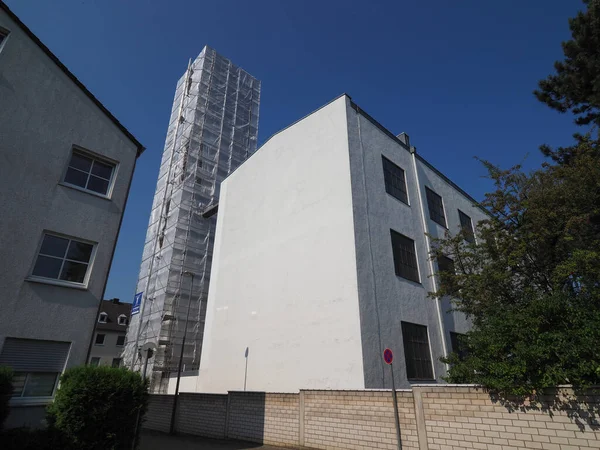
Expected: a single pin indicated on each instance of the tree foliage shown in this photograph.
(531, 282)
(575, 86)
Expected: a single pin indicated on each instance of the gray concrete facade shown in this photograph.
(45, 114)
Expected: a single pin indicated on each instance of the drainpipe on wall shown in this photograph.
(438, 301)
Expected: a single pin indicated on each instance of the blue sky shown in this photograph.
(457, 76)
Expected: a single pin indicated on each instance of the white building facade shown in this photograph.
(322, 261)
(65, 174)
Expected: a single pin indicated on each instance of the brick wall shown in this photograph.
(158, 416)
(432, 417)
(357, 420)
(468, 418)
(268, 418)
(202, 414)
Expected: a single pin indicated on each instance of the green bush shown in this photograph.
(96, 408)
(6, 388)
(31, 439)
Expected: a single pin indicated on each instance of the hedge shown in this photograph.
(6, 389)
(96, 408)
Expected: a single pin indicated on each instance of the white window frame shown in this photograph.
(38, 399)
(124, 341)
(94, 156)
(58, 282)
(122, 316)
(101, 316)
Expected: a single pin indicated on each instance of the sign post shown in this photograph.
(388, 357)
(137, 302)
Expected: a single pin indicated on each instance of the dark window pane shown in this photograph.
(116, 362)
(73, 271)
(436, 207)
(467, 226)
(120, 340)
(94, 362)
(54, 246)
(101, 169)
(446, 272)
(81, 162)
(76, 177)
(80, 251)
(416, 352)
(18, 383)
(458, 346)
(47, 267)
(405, 257)
(395, 183)
(2, 36)
(40, 385)
(100, 338)
(99, 185)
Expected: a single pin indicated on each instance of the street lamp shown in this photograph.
(187, 318)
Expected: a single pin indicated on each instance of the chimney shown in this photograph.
(115, 301)
(403, 137)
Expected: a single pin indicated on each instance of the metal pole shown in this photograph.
(246, 371)
(187, 318)
(395, 398)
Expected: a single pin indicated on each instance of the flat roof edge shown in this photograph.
(391, 135)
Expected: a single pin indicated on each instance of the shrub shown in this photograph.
(31, 439)
(96, 408)
(6, 388)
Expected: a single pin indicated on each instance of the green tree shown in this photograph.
(575, 86)
(531, 284)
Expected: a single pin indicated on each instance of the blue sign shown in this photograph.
(137, 302)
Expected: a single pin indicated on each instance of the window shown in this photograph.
(405, 257)
(416, 352)
(395, 183)
(3, 35)
(95, 361)
(458, 345)
(36, 364)
(446, 270)
(34, 384)
(122, 320)
(102, 317)
(120, 341)
(436, 207)
(100, 339)
(116, 362)
(63, 259)
(466, 224)
(89, 173)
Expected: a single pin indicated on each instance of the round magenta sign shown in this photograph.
(388, 356)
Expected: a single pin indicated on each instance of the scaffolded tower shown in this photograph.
(212, 130)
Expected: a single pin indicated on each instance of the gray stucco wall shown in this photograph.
(43, 115)
(386, 299)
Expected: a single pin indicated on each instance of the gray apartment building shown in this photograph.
(212, 130)
(65, 172)
(322, 261)
(109, 336)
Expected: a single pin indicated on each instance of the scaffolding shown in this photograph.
(212, 130)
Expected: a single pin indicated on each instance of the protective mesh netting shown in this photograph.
(213, 129)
